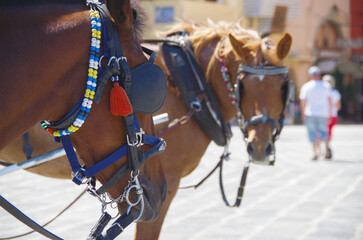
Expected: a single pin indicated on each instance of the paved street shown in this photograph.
(297, 199)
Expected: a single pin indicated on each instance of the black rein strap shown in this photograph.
(241, 187)
(26, 220)
(225, 156)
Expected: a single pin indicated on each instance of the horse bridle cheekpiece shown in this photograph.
(143, 90)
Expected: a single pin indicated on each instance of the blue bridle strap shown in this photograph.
(81, 172)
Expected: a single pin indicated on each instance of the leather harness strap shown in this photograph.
(241, 187)
(239, 196)
(26, 220)
(51, 220)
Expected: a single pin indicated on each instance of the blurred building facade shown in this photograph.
(326, 33)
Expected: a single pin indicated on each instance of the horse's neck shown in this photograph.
(43, 73)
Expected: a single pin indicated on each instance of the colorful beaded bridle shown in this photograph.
(116, 70)
(226, 76)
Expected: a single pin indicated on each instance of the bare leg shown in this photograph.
(328, 153)
(316, 148)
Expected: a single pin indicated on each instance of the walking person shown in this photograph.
(336, 106)
(316, 110)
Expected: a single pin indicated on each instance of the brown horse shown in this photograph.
(45, 51)
(260, 95)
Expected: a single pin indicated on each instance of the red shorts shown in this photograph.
(331, 123)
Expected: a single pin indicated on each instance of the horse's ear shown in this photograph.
(115, 9)
(283, 46)
(240, 48)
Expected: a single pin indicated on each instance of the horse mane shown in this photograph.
(201, 35)
(141, 19)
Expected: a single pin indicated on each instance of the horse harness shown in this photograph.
(197, 94)
(145, 86)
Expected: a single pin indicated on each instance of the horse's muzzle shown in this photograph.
(262, 154)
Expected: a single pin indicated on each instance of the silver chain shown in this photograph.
(107, 200)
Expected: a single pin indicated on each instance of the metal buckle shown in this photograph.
(162, 146)
(122, 58)
(113, 60)
(196, 106)
(139, 139)
(79, 177)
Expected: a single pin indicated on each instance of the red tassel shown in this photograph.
(119, 101)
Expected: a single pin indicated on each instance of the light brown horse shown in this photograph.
(262, 95)
(44, 53)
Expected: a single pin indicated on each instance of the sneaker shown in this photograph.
(328, 154)
(316, 157)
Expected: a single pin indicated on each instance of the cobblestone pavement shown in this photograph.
(297, 199)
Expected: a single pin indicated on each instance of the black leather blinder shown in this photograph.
(148, 90)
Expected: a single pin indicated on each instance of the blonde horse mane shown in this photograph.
(201, 35)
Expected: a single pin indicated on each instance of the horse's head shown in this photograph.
(262, 91)
(105, 132)
(68, 50)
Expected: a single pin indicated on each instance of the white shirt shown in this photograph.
(335, 97)
(317, 94)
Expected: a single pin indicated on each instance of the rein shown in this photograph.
(117, 71)
(225, 157)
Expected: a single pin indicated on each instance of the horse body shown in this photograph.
(262, 95)
(44, 63)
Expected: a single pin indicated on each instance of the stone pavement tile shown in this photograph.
(282, 229)
(221, 234)
(348, 211)
(329, 234)
(186, 230)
